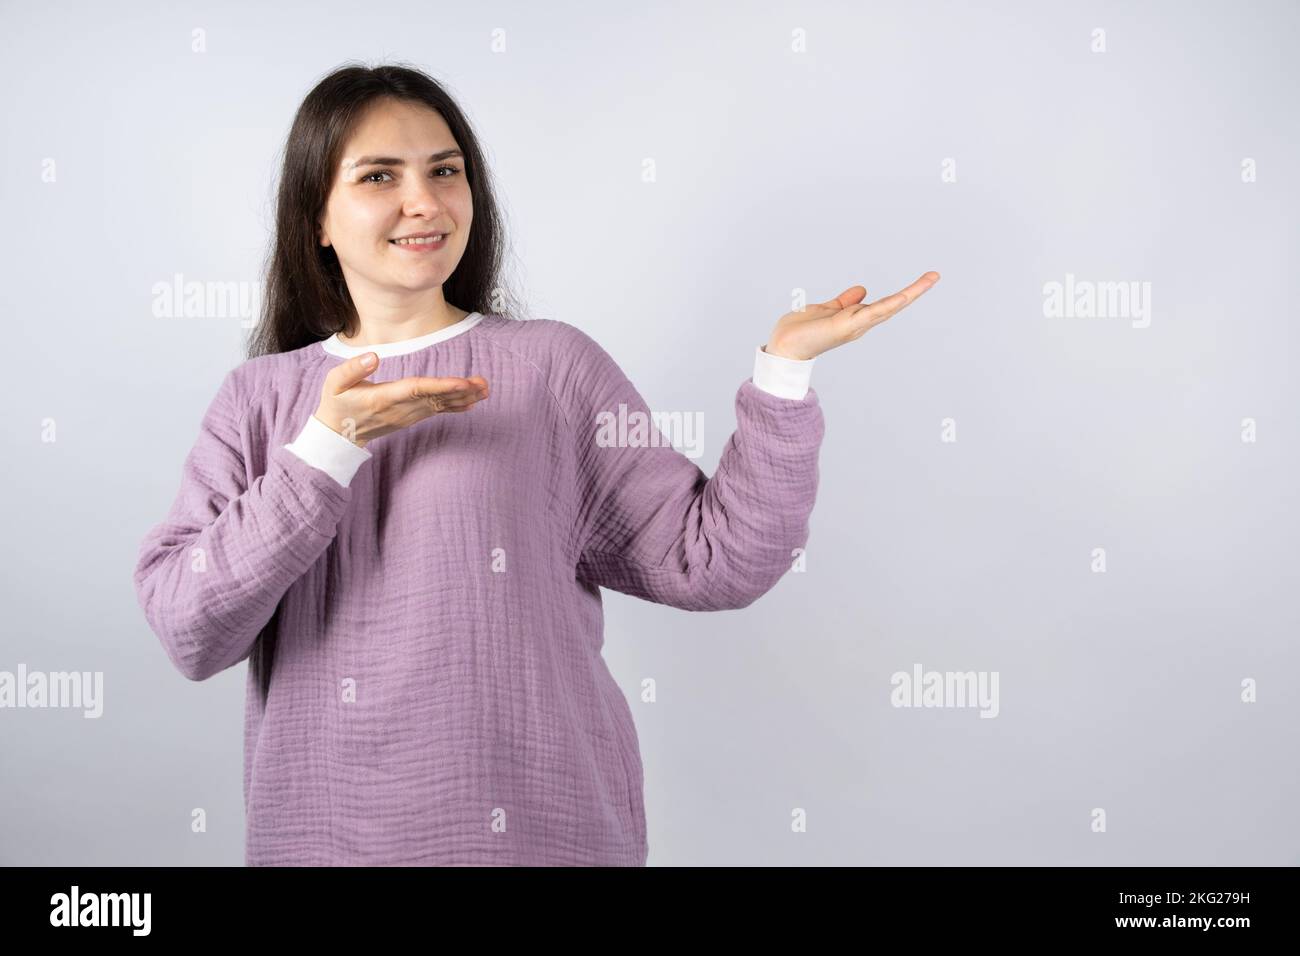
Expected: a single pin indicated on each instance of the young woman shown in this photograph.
(399, 511)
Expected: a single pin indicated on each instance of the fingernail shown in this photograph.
(368, 359)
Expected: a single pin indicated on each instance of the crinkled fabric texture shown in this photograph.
(435, 693)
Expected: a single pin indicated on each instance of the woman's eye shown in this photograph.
(451, 171)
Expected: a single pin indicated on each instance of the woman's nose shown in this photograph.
(420, 196)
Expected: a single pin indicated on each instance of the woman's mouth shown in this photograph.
(421, 244)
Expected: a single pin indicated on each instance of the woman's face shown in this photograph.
(401, 174)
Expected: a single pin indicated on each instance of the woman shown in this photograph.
(422, 614)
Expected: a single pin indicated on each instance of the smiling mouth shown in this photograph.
(422, 241)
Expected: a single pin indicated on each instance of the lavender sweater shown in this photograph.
(436, 694)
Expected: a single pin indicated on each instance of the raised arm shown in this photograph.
(654, 526)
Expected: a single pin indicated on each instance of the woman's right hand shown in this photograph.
(361, 411)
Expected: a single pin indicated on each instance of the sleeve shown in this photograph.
(324, 448)
(782, 376)
(652, 525)
(210, 575)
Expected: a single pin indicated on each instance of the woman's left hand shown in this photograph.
(820, 328)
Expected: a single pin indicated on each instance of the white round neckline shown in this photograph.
(333, 346)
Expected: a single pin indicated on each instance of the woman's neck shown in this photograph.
(377, 332)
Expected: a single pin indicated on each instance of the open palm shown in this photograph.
(821, 327)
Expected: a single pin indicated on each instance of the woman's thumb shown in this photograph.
(850, 296)
(354, 370)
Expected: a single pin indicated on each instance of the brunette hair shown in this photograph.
(306, 298)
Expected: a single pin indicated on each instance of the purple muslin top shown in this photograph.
(435, 693)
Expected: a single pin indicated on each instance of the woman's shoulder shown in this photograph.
(261, 375)
(572, 364)
(268, 369)
(555, 346)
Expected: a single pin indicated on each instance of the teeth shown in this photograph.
(419, 242)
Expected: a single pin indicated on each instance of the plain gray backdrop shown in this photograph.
(795, 146)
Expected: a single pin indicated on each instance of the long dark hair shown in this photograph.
(306, 298)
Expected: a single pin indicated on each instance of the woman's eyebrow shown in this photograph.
(396, 161)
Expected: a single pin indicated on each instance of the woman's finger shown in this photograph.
(850, 296)
(876, 312)
(421, 388)
(459, 406)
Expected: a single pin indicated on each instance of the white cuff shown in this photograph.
(785, 377)
(322, 447)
